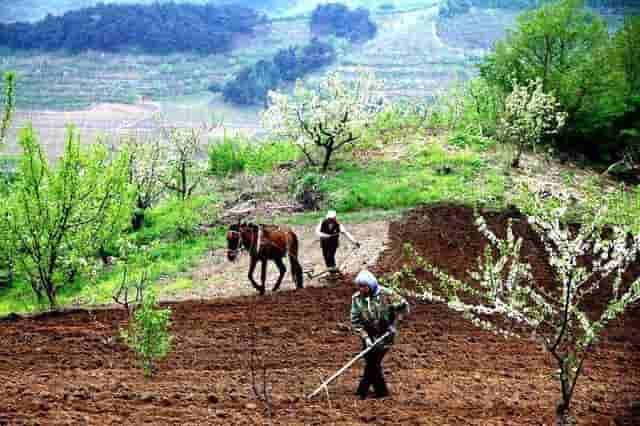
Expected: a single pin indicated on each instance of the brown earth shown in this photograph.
(69, 369)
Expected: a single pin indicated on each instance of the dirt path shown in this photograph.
(68, 369)
(217, 277)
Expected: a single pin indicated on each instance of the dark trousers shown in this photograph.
(373, 375)
(329, 248)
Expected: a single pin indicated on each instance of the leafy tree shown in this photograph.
(58, 216)
(329, 118)
(148, 334)
(505, 298)
(568, 48)
(339, 20)
(626, 48)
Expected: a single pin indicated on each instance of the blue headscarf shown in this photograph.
(366, 278)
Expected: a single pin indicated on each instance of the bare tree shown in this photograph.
(258, 369)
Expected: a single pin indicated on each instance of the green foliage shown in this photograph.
(593, 77)
(9, 104)
(626, 49)
(236, 154)
(461, 139)
(58, 217)
(175, 219)
(148, 334)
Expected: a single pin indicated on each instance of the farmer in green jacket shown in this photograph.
(375, 310)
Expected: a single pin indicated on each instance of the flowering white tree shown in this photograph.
(329, 117)
(185, 166)
(529, 114)
(506, 299)
(148, 164)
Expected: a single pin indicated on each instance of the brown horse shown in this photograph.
(265, 242)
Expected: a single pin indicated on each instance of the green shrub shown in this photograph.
(175, 219)
(238, 154)
(148, 334)
(463, 139)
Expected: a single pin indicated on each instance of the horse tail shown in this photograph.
(296, 269)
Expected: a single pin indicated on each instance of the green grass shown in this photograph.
(172, 251)
(434, 175)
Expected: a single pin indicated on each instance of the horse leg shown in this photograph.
(263, 274)
(252, 267)
(282, 270)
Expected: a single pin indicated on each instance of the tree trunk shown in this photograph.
(327, 157)
(51, 294)
(515, 163)
(563, 415)
(183, 185)
(137, 219)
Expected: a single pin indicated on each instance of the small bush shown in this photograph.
(148, 333)
(306, 189)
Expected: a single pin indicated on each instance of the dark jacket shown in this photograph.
(371, 315)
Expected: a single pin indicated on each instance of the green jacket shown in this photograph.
(371, 315)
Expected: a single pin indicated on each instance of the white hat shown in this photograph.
(331, 214)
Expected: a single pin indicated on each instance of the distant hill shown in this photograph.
(455, 7)
(35, 10)
(153, 28)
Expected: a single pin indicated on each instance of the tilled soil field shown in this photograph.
(69, 369)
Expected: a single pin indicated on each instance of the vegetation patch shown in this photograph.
(435, 175)
(238, 154)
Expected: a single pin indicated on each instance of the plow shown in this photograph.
(310, 272)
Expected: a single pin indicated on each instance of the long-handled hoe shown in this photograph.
(347, 365)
